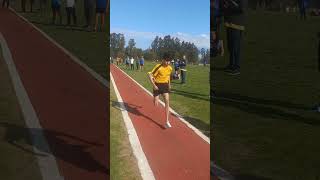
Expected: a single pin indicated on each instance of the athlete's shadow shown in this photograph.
(75, 153)
(268, 108)
(191, 95)
(135, 110)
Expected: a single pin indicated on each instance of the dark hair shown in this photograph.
(318, 34)
(165, 56)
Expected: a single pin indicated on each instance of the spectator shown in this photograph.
(141, 63)
(31, 5)
(234, 18)
(183, 71)
(5, 3)
(71, 11)
(23, 5)
(303, 4)
(55, 5)
(176, 69)
(127, 62)
(101, 6)
(132, 63)
(137, 63)
(88, 12)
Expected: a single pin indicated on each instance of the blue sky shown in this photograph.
(142, 20)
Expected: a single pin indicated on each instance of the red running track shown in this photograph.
(173, 154)
(71, 105)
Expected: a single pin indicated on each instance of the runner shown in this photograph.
(160, 79)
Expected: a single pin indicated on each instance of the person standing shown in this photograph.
(132, 63)
(127, 62)
(234, 17)
(23, 5)
(303, 4)
(101, 6)
(141, 63)
(137, 63)
(318, 106)
(160, 80)
(71, 11)
(88, 12)
(55, 5)
(183, 71)
(5, 3)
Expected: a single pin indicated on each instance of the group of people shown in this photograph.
(179, 70)
(131, 62)
(100, 7)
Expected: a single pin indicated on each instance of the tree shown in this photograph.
(130, 48)
(117, 43)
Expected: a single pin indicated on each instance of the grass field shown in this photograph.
(15, 149)
(90, 47)
(263, 124)
(122, 160)
(190, 100)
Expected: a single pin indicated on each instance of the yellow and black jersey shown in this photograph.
(161, 74)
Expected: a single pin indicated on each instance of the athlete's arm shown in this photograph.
(152, 81)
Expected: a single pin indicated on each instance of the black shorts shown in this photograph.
(100, 10)
(162, 88)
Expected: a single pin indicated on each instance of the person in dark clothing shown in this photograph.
(71, 11)
(303, 4)
(5, 3)
(56, 11)
(183, 70)
(234, 12)
(23, 5)
(216, 43)
(318, 106)
(88, 12)
(31, 5)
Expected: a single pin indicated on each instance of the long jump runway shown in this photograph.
(71, 105)
(177, 153)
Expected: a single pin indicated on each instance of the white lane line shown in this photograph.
(47, 163)
(220, 173)
(197, 131)
(143, 164)
(73, 57)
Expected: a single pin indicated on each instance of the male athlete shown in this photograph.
(160, 79)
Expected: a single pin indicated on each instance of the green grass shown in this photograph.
(265, 128)
(90, 47)
(16, 162)
(123, 162)
(190, 100)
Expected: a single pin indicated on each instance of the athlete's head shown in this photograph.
(166, 59)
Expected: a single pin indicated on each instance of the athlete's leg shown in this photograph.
(156, 100)
(166, 101)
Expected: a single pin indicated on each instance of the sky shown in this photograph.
(143, 20)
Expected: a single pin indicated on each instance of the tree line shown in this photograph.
(176, 48)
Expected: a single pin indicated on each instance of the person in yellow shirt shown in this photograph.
(160, 80)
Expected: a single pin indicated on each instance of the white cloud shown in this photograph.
(200, 40)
